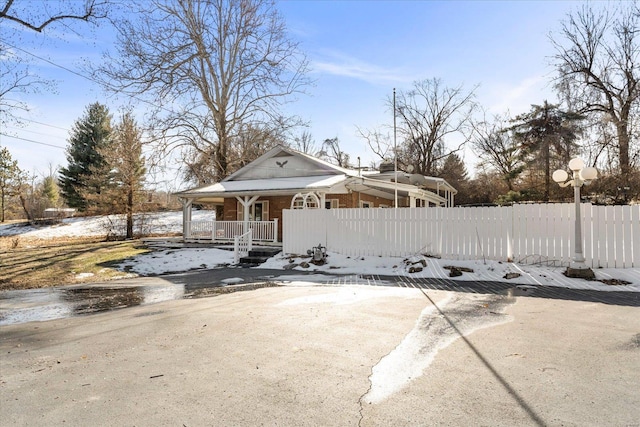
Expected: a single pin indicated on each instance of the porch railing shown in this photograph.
(242, 245)
(225, 231)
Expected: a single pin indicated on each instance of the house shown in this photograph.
(255, 196)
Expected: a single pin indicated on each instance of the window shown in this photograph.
(365, 204)
(331, 204)
(259, 211)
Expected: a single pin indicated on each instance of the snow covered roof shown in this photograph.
(284, 171)
(290, 185)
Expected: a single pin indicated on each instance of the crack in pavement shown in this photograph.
(432, 332)
(360, 399)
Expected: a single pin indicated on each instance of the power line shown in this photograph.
(13, 128)
(32, 141)
(51, 63)
(40, 123)
(91, 79)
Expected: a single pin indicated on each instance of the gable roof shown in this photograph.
(285, 171)
(285, 162)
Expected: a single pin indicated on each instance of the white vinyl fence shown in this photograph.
(527, 233)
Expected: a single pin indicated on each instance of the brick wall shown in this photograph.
(278, 203)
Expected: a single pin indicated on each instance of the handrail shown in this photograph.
(242, 245)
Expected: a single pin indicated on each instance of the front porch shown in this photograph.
(265, 232)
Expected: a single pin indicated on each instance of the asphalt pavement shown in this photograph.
(333, 354)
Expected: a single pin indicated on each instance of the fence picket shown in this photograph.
(634, 220)
(523, 233)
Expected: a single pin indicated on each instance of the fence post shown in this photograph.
(236, 249)
(275, 230)
(510, 227)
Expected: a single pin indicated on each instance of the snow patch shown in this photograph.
(432, 333)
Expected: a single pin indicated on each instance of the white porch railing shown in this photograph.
(225, 231)
(242, 245)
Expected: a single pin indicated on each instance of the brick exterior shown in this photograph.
(278, 203)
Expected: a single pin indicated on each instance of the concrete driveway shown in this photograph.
(330, 356)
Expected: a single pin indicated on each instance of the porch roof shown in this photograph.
(331, 184)
(267, 187)
(387, 189)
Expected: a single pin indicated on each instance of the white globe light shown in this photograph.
(576, 164)
(588, 174)
(560, 176)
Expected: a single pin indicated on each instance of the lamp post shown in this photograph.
(581, 176)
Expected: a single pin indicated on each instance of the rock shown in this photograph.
(415, 269)
(615, 282)
(415, 260)
(290, 266)
(454, 272)
(511, 275)
(465, 269)
(304, 264)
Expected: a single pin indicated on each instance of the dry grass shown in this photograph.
(36, 263)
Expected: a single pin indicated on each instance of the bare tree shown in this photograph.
(15, 75)
(15, 78)
(428, 115)
(598, 67)
(305, 143)
(332, 152)
(248, 143)
(37, 18)
(380, 143)
(496, 148)
(219, 64)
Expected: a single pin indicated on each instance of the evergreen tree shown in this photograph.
(11, 178)
(50, 191)
(455, 173)
(127, 166)
(87, 171)
(547, 138)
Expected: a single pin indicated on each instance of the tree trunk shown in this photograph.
(2, 210)
(23, 202)
(130, 213)
(222, 161)
(623, 144)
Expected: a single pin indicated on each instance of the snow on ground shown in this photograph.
(482, 271)
(151, 223)
(175, 260)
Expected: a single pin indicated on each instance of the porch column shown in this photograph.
(322, 200)
(246, 203)
(412, 201)
(186, 218)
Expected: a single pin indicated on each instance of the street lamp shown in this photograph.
(581, 176)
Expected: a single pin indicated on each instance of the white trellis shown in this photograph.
(305, 201)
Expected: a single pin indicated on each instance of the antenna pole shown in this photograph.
(395, 150)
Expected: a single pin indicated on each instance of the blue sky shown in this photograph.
(359, 51)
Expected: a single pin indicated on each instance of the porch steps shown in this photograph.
(259, 255)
